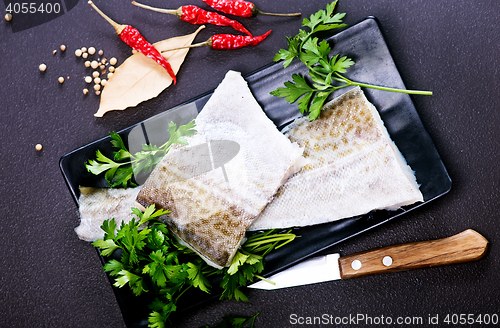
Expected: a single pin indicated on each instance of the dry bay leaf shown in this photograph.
(140, 78)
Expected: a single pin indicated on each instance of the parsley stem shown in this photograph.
(286, 242)
(181, 293)
(266, 280)
(267, 240)
(343, 79)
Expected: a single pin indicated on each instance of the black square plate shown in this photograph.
(365, 44)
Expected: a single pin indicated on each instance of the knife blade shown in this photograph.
(466, 246)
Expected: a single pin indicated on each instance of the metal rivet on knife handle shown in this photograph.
(356, 265)
(463, 247)
(387, 261)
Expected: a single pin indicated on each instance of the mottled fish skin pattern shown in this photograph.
(354, 168)
(211, 211)
(211, 225)
(99, 204)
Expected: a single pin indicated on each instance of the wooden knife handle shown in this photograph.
(464, 247)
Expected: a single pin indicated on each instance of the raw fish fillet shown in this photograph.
(99, 204)
(211, 209)
(354, 167)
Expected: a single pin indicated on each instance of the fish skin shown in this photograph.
(99, 204)
(354, 167)
(210, 212)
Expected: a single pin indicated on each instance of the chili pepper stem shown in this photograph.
(176, 12)
(275, 14)
(201, 44)
(118, 27)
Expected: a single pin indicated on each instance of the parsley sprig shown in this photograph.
(121, 169)
(144, 256)
(325, 71)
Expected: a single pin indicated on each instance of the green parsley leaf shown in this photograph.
(121, 170)
(156, 239)
(95, 167)
(309, 58)
(114, 267)
(107, 246)
(293, 91)
(109, 227)
(314, 19)
(340, 64)
(239, 296)
(324, 20)
(317, 105)
(156, 320)
(231, 284)
(304, 102)
(183, 131)
(117, 141)
(134, 281)
(119, 177)
(253, 259)
(198, 279)
(290, 54)
(311, 44)
(238, 260)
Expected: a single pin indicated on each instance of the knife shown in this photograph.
(466, 246)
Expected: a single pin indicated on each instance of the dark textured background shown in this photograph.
(49, 278)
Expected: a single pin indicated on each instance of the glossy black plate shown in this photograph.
(364, 43)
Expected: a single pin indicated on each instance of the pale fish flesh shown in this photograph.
(211, 209)
(354, 167)
(99, 204)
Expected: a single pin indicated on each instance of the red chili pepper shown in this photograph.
(240, 8)
(134, 39)
(196, 15)
(228, 41)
